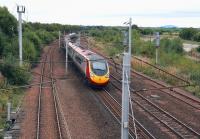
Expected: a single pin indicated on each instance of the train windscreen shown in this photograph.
(99, 67)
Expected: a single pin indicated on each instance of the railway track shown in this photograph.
(49, 115)
(115, 109)
(39, 98)
(174, 126)
(62, 125)
(173, 91)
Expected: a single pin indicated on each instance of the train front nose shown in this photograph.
(99, 80)
(99, 72)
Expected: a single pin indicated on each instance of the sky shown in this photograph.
(144, 13)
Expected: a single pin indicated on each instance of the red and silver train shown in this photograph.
(93, 66)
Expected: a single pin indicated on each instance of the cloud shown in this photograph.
(110, 12)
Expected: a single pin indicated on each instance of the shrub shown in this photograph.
(8, 23)
(2, 42)
(11, 47)
(45, 36)
(32, 36)
(197, 37)
(188, 33)
(15, 75)
(172, 45)
(29, 51)
(198, 49)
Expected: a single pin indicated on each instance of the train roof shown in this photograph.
(89, 55)
(94, 56)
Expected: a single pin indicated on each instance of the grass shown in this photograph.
(13, 96)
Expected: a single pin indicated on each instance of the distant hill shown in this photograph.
(169, 26)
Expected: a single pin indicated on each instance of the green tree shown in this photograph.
(8, 23)
(11, 47)
(2, 42)
(197, 37)
(198, 49)
(16, 75)
(147, 31)
(33, 37)
(188, 33)
(29, 51)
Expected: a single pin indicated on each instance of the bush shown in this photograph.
(11, 48)
(195, 76)
(29, 51)
(198, 49)
(45, 36)
(15, 75)
(172, 45)
(32, 36)
(8, 23)
(2, 42)
(188, 33)
(197, 37)
(169, 59)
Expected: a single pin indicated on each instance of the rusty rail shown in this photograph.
(158, 68)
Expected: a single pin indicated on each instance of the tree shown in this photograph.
(13, 72)
(147, 31)
(8, 23)
(188, 33)
(197, 37)
(2, 42)
(198, 49)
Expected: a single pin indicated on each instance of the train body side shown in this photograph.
(79, 60)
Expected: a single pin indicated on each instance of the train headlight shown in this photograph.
(91, 74)
(107, 75)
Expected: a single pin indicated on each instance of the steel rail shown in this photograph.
(39, 100)
(157, 110)
(115, 111)
(62, 113)
(54, 96)
(158, 68)
(59, 117)
(195, 103)
(141, 128)
(42, 75)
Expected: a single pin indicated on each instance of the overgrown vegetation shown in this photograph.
(198, 49)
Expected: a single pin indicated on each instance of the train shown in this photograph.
(92, 66)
